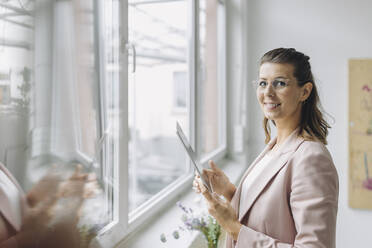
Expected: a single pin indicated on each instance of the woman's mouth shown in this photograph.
(271, 106)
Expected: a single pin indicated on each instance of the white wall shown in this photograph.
(330, 32)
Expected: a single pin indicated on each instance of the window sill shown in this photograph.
(169, 219)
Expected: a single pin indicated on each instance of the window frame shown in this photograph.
(221, 151)
(125, 225)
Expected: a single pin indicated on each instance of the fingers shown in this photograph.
(91, 177)
(198, 185)
(214, 166)
(208, 175)
(78, 169)
(78, 174)
(80, 188)
(195, 184)
(212, 201)
(91, 189)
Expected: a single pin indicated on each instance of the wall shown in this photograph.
(330, 32)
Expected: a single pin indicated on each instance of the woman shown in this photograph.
(25, 218)
(288, 197)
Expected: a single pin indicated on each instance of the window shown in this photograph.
(156, 159)
(173, 69)
(180, 91)
(16, 78)
(104, 83)
(211, 83)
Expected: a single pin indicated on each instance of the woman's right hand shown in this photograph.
(218, 181)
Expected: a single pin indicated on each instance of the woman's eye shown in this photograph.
(262, 84)
(279, 84)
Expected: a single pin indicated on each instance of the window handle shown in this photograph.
(129, 46)
(99, 143)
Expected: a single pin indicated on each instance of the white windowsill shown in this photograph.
(169, 219)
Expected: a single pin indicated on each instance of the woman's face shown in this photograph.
(278, 93)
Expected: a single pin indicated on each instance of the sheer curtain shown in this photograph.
(64, 120)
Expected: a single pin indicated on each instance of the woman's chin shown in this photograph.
(270, 116)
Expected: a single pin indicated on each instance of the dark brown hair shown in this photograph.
(312, 125)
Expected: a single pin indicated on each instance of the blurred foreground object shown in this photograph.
(51, 211)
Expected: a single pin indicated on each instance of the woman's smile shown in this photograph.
(271, 106)
(278, 93)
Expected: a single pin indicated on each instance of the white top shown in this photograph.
(251, 177)
(13, 194)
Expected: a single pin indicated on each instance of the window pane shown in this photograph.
(210, 84)
(87, 77)
(16, 78)
(158, 96)
(109, 84)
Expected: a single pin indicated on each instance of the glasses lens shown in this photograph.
(255, 83)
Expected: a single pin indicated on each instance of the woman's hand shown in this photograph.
(218, 181)
(83, 185)
(45, 189)
(224, 213)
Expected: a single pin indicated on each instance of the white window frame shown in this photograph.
(125, 225)
(221, 151)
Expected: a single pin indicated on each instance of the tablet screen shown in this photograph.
(192, 155)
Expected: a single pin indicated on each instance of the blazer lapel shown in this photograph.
(279, 159)
(5, 208)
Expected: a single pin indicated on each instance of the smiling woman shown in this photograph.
(288, 197)
(296, 67)
(282, 98)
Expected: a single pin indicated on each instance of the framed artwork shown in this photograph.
(360, 133)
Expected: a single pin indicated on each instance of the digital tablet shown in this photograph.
(192, 155)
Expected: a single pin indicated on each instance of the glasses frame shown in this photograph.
(256, 84)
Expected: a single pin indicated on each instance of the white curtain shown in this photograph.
(64, 120)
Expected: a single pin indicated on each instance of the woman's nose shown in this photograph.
(269, 90)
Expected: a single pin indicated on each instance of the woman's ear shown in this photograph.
(307, 88)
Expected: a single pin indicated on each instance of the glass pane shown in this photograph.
(158, 96)
(87, 77)
(210, 76)
(109, 89)
(16, 78)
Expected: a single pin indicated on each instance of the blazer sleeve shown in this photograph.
(313, 202)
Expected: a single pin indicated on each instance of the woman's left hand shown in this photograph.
(224, 213)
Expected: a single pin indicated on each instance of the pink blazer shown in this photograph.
(8, 224)
(294, 201)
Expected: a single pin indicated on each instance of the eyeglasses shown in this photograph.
(277, 84)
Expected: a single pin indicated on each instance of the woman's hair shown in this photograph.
(312, 125)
